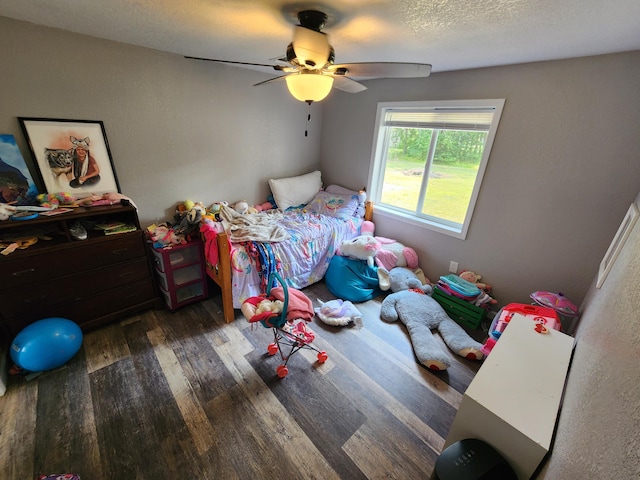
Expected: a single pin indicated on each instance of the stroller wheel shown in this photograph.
(322, 356)
(272, 349)
(282, 371)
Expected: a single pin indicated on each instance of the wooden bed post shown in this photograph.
(225, 274)
(368, 210)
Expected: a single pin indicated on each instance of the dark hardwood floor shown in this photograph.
(165, 395)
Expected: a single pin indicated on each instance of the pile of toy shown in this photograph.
(186, 221)
(467, 286)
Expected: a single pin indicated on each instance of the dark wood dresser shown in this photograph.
(92, 282)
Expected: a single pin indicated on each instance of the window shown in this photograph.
(429, 159)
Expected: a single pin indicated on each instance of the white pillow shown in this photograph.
(295, 191)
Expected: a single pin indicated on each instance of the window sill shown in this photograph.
(392, 213)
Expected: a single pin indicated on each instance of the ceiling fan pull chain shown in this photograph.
(306, 131)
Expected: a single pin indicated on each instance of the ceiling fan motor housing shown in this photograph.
(312, 19)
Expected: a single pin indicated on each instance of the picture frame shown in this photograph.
(71, 155)
(17, 184)
(617, 243)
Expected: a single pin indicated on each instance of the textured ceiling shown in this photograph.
(449, 34)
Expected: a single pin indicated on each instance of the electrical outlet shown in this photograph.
(453, 266)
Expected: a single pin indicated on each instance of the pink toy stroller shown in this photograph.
(290, 335)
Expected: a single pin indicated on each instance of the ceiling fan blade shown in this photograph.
(370, 70)
(274, 79)
(275, 67)
(347, 85)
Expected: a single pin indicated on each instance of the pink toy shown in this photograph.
(263, 206)
(543, 317)
(391, 253)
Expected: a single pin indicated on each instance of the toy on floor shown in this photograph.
(337, 313)
(362, 247)
(286, 311)
(411, 302)
(543, 317)
(46, 344)
(391, 253)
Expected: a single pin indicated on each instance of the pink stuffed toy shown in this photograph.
(391, 253)
(263, 206)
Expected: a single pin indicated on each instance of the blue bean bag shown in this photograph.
(352, 279)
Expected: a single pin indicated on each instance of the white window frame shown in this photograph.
(378, 159)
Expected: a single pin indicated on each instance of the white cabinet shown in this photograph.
(513, 401)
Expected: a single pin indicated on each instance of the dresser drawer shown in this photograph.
(91, 311)
(27, 270)
(22, 300)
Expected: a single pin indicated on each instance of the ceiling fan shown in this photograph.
(311, 73)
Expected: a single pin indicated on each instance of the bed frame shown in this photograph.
(221, 273)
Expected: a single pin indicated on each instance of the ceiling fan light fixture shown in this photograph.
(309, 86)
(311, 48)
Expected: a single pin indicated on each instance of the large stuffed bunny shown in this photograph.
(390, 253)
(411, 302)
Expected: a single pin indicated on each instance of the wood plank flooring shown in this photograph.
(165, 395)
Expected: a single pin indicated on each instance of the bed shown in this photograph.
(297, 241)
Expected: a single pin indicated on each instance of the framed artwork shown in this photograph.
(617, 243)
(16, 183)
(72, 155)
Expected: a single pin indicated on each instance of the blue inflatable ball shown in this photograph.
(46, 344)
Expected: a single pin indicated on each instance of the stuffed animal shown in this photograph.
(391, 252)
(263, 206)
(214, 210)
(363, 247)
(411, 302)
(188, 221)
(243, 207)
(271, 306)
(164, 236)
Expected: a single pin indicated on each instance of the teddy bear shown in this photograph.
(391, 253)
(411, 302)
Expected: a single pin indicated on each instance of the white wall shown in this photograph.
(597, 433)
(178, 129)
(563, 170)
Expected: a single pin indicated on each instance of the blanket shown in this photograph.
(255, 227)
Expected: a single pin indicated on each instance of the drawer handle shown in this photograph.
(23, 272)
(120, 251)
(125, 274)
